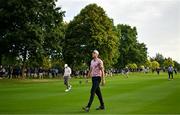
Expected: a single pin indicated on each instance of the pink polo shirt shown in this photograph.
(96, 66)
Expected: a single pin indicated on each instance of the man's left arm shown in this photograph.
(70, 71)
(102, 71)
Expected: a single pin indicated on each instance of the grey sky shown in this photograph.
(157, 21)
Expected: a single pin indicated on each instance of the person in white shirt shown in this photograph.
(66, 76)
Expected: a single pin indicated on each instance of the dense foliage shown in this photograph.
(89, 30)
(33, 34)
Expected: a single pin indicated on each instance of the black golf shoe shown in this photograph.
(86, 109)
(100, 108)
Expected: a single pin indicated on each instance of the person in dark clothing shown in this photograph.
(1, 73)
(175, 71)
(158, 71)
(170, 72)
(10, 71)
(97, 73)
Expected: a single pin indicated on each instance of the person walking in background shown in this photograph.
(175, 71)
(97, 73)
(67, 75)
(170, 72)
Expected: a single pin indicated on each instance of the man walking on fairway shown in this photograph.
(97, 74)
(170, 72)
(67, 75)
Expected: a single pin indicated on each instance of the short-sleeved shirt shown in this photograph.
(170, 69)
(67, 71)
(96, 66)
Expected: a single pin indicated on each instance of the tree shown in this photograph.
(176, 65)
(168, 62)
(26, 26)
(155, 65)
(159, 58)
(131, 51)
(90, 29)
(132, 66)
(148, 64)
(46, 63)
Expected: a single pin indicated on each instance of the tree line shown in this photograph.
(34, 34)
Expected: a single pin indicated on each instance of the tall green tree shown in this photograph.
(132, 66)
(155, 65)
(168, 62)
(27, 26)
(131, 51)
(160, 59)
(148, 64)
(90, 29)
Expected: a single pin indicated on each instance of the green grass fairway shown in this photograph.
(139, 94)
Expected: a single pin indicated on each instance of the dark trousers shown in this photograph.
(66, 81)
(170, 74)
(95, 90)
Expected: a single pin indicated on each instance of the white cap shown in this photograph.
(95, 51)
(65, 65)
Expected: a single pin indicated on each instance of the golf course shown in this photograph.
(139, 94)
